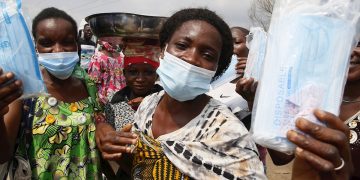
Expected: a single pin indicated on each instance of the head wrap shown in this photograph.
(142, 51)
(128, 61)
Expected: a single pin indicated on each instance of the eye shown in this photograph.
(69, 41)
(132, 72)
(210, 56)
(45, 42)
(149, 73)
(181, 45)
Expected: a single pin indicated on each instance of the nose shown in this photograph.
(140, 77)
(58, 48)
(191, 57)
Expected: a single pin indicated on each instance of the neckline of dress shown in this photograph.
(173, 133)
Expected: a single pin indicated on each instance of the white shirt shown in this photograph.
(227, 95)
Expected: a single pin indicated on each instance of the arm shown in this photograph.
(9, 114)
(322, 150)
(113, 145)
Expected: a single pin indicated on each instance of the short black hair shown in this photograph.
(86, 25)
(243, 30)
(202, 14)
(55, 13)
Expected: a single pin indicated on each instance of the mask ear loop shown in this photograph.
(162, 54)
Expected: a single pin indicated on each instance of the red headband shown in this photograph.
(139, 59)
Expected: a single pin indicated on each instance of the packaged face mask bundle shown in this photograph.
(17, 52)
(305, 67)
(256, 42)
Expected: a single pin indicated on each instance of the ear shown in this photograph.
(162, 52)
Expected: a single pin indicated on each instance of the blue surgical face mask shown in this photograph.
(181, 80)
(60, 65)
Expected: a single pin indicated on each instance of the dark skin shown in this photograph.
(333, 139)
(196, 42)
(240, 49)
(140, 78)
(87, 32)
(352, 93)
(52, 35)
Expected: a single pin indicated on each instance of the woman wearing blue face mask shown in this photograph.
(56, 133)
(181, 132)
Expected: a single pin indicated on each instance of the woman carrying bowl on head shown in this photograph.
(106, 67)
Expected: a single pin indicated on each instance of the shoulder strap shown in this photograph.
(24, 135)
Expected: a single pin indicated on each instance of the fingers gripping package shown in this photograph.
(256, 42)
(305, 67)
(17, 52)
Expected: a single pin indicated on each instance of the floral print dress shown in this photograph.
(59, 140)
(107, 72)
(63, 140)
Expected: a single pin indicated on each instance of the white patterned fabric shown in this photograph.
(213, 145)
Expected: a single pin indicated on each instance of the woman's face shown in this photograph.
(140, 78)
(55, 35)
(354, 70)
(197, 43)
(239, 40)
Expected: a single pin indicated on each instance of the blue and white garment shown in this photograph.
(213, 145)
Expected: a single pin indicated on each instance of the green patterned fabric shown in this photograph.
(62, 137)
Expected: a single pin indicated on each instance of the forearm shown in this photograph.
(9, 127)
(5, 152)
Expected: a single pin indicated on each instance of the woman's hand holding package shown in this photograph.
(324, 152)
(10, 90)
(113, 144)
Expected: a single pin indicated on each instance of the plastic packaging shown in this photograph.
(305, 67)
(17, 52)
(256, 42)
(229, 75)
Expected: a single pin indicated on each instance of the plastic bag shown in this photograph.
(17, 52)
(305, 67)
(256, 42)
(229, 75)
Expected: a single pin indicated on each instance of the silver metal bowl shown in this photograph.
(125, 25)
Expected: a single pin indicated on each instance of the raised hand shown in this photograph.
(10, 90)
(324, 152)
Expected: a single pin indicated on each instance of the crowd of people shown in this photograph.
(148, 109)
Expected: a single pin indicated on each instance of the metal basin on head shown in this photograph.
(125, 25)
